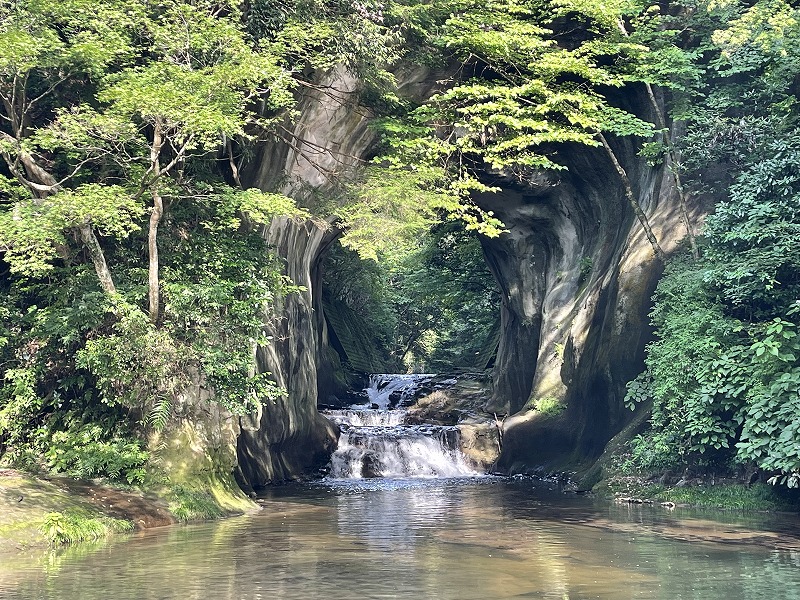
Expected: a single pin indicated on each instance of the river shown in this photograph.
(403, 515)
(465, 538)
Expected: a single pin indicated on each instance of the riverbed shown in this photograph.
(464, 538)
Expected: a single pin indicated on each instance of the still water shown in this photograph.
(469, 538)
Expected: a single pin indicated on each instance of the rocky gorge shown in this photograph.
(575, 269)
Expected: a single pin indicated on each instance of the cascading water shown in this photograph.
(385, 390)
(376, 442)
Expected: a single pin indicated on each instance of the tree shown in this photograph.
(724, 371)
(519, 94)
(197, 86)
(650, 44)
(111, 112)
(45, 48)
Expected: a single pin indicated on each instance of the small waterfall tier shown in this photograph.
(377, 442)
(387, 391)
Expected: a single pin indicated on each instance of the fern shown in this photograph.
(159, 416)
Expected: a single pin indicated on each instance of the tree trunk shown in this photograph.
(155, 218)
(41, 184)
(98, 258)
(674, 167)
(38, 180)
(637, 209)
(674, 164)
(152, 249)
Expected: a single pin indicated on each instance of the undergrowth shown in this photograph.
(726, 496)
(73, 527)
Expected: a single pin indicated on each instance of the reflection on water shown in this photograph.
(449, 539)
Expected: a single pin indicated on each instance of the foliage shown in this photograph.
(771, 417)
(539, 80)
(219, 312)
(731, 497)
(431, 301)
(69, 528)
(33, 233)
(81, 357)
(549, 406)
(754, 231)
(84, 454)
(104, 104)
(527, 93)
(364, 287)
(707, 494)
(724, 372)
(390, 211)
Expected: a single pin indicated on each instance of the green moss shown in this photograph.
(205, 498)
(193, 505)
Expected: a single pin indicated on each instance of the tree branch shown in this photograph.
(637, 208)
(674, 163)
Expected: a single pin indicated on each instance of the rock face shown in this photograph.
(575, 269)
(576, 273)
(289, 438)
(198, 449)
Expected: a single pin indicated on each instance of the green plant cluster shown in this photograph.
(131, 267)
(724, 372)
(86, 375)
(61, 529)
(188, 504)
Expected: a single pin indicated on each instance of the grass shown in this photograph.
(727, 496)
(549, 406)
(62, 528)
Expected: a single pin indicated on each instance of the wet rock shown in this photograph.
(371, 466)
(480, 443)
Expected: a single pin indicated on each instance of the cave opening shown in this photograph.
(432, 307)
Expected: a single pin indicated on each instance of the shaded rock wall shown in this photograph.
(354, 338)
(577, 274)
(288, 439)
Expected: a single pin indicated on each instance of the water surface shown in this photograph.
(430, 538)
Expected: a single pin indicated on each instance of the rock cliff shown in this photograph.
(575, 269)
(576, 273)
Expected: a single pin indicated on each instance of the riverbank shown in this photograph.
(36, 512)
(724, 494)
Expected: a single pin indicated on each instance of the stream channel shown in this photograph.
(424, 524)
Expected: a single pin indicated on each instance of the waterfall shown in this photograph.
(387, 390)
(346, 419)
(379, 443)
